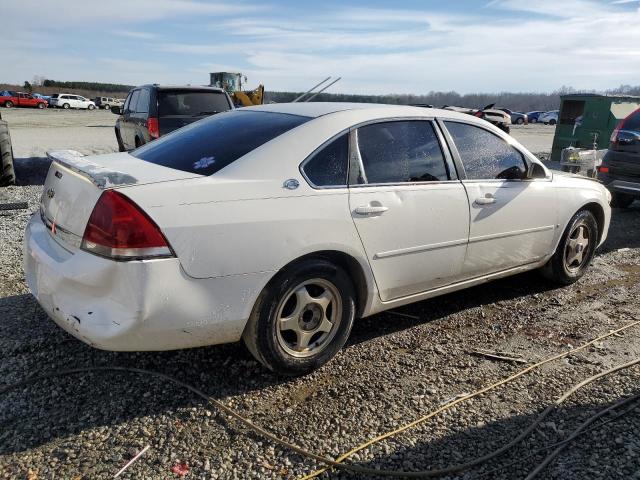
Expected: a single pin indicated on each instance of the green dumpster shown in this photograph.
(586, 119)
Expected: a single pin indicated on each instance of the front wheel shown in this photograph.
(520, 120)
(575, 250)
(91, 107)
(552, 122)
(41, 106)
(302, 318)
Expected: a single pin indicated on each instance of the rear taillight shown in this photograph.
(479, 114)
(119, 229)
(153, 127)
(603, 169)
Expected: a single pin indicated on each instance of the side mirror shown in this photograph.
(536, 170)
(116, 109)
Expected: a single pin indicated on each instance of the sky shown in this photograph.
(377, 47)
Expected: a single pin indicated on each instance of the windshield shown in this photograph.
(191, 103)
(209, 145)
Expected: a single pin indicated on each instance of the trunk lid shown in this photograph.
(75, 182)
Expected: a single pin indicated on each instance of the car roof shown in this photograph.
(182, 87)
(319, 109)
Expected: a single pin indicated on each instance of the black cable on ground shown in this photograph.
(305, 453)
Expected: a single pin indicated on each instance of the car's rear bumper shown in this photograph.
(137, 305)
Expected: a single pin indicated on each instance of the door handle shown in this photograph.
(368, 210)
(488, 199)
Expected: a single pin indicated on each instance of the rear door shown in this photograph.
(408, 206)
(177, 108)
(513, 219)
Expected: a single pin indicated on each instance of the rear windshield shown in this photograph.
(191, 103)
(209, 145)
(633, 121)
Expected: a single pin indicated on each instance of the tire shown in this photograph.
(8, 104)
(106, 107)
(66, 106)
(519, 120)
(533, 120)
(621, 200)
(137, 142)
(90, 107)
(41, 106)
(7, 173)
(552, 122)
(120, 144)
(318, 331)
(572, 257)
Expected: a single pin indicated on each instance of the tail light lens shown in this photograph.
(479, 114)
(119, 229)
(153, 127)
(603, 169)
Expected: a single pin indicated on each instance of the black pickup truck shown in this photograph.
(7, 175)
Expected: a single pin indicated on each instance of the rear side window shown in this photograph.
(209, 145)
(328, 166)
(485, 155)
(402, 151)
(142, 106)
(133, 100)
(191, 103)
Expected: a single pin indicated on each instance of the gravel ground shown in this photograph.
(393, 370)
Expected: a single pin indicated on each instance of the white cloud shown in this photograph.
(135, 34)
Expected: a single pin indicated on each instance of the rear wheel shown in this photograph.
(552, 122)
(302, 318)
(106, 107)
(7, 174)
(8, 104)
(575, 250)
(621, 200)
(533, 120)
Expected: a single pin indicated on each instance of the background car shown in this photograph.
(279, 224)
(620, 168)
(11, 99)
(549, 118)
(108, 102)
(516, 117)
(151, 111)
(43, 97)
(67, 100)
(533, 116)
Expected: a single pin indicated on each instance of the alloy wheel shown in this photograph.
(577, 247)
(308, 317)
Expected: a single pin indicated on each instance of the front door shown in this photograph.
(513, 219)
(410, 210)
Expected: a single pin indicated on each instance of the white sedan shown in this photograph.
(280, 224)
(66, 101)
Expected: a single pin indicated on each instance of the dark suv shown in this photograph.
(151, 111)
(620, 169)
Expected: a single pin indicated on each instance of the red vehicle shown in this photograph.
(11, 99)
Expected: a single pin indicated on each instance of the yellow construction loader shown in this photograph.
(232, 84)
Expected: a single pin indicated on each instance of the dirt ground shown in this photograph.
(396, 367)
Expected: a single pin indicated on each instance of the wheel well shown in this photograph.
(350, 265)
(598, 212)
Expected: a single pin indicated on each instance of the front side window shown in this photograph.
(209, 145)
(328, 166)
(485, 155)
(399, 152)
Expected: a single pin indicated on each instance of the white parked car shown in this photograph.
(549, 118)
(280, 223)
(66, 100)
